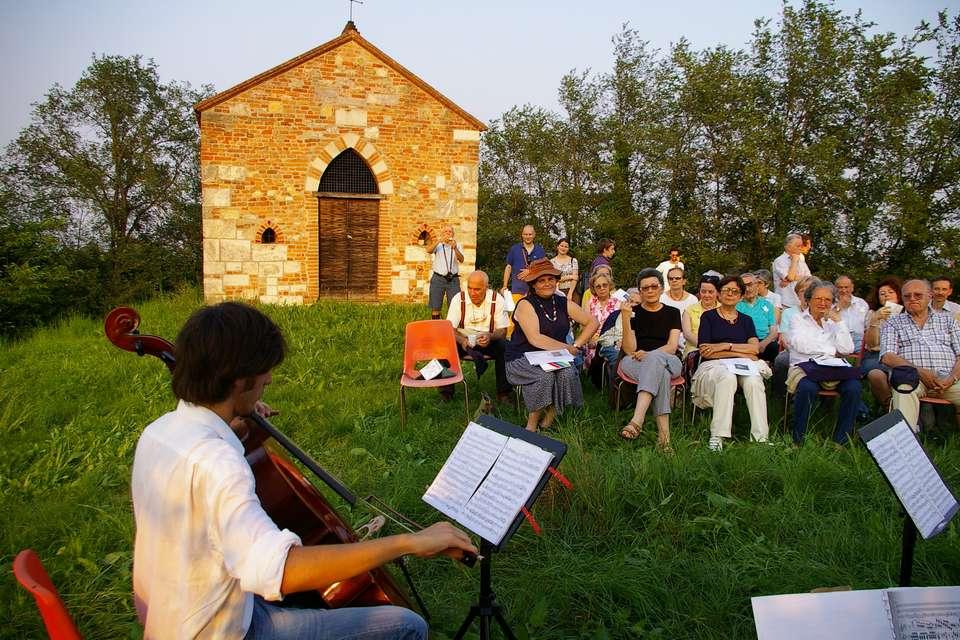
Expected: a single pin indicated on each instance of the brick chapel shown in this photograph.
(326, 176)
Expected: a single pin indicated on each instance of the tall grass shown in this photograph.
(644, 546)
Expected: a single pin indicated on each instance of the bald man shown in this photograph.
(480, 319)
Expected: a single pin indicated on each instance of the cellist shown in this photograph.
(208, 560)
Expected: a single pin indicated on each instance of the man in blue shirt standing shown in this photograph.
(518, 259)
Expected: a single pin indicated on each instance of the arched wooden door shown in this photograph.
(348, 219)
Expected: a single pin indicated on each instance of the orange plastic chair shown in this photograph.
(428, 340)
(30, 573)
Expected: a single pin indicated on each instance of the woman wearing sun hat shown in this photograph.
(541, 323)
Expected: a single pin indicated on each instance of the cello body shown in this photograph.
(285, 493)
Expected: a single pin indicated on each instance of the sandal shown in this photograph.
(665, 448)
(631, 431)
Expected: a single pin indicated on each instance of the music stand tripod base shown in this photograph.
(487, 608)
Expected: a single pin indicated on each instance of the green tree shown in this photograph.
(115, 158)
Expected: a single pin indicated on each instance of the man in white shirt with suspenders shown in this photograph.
(480, 320)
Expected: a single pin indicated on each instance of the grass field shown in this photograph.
(645, 546)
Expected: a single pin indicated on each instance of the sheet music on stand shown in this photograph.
(910, 472)
(494, 471)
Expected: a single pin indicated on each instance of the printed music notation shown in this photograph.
(924, 614)
(486, 480)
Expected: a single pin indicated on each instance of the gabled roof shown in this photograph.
(350, 34)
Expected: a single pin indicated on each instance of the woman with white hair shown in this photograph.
(818, 334)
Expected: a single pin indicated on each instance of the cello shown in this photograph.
(286, 495)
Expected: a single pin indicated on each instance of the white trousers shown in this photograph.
(909, 403)
(714, 386)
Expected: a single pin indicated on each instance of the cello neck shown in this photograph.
(301, 456)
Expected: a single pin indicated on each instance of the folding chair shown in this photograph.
(429, 340)
(30, 573)
(678, 386)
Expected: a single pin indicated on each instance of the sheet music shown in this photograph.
(540, 357)
(932, 613)
(486, 481)
(492, 509)
(913, 478)
(469, 462)
(741, 366)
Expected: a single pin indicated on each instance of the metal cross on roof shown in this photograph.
(351, 7)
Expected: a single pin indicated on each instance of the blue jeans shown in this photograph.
(271, 622)
(849, 391)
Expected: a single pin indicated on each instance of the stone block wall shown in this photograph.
(264, 149)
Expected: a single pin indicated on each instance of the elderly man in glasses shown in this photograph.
(926, 340)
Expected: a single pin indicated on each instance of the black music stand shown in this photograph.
(909, 541)
(487, 608)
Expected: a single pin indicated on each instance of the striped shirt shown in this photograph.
(934, 346)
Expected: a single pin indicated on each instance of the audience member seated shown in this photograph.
(781, 363)
(852, 309)
(727, 333)
(651, 338)
(763, 315)
(927, 340)
(541, 322)
(587, 294)
(886, 298)
(942, 288)
(764, 283)
(600, 306)
(820, 332)
(480, 319)
(690, 318)
(676, 296)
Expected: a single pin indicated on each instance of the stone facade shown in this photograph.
(265, 144)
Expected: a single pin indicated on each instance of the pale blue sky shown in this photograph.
(485, 56)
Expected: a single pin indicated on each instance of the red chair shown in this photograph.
(429, 340)
(30, 573)
(678, 386)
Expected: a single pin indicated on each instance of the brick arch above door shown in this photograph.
(369, 152)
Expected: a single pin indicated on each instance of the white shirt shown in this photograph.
(445, 258)
(680, 305)
(773, 299)
(951, 307)
(808, 339)
(665, 266)
(204, 545)
(781, 266)
(478, 317)
(855, 317)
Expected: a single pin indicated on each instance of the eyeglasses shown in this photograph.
(732, 290)
(752, 283)
(910, 296)
(650, 287)
(822, 300)
(602, 285)
(675, 278)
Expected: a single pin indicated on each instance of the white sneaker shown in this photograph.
(716, 443)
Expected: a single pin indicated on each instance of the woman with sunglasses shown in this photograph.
(727, 333)
(651, 337)
(542, 321)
